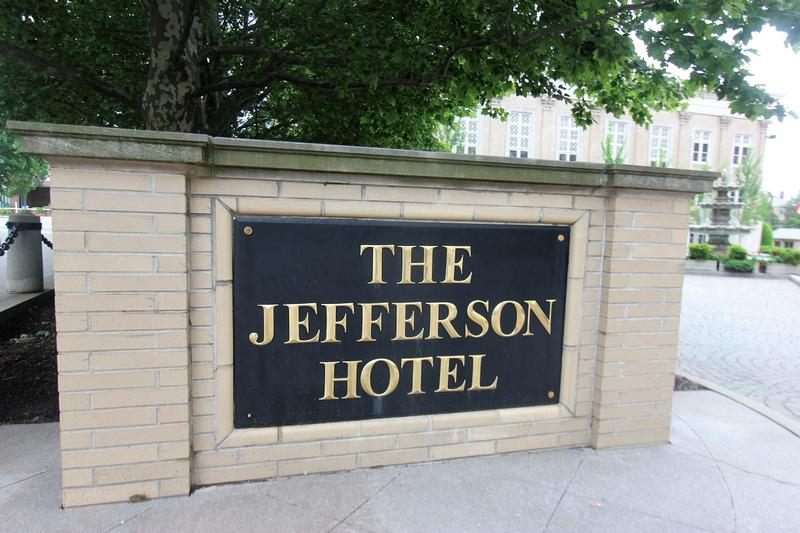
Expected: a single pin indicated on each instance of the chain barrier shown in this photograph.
(46, 242)
(14, 230)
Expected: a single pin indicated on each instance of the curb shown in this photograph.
(25, 301)
(789, 424)
(795, 278)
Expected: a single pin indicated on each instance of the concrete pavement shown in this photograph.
(727, 469)
(744, 334)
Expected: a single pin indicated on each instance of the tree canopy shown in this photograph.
(369, 72)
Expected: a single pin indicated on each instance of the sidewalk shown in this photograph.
(727, 469)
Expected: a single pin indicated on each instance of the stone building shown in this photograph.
(704, 136)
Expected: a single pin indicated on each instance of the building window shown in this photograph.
(617, 141)
(660, 145)
(568, 138)
(701, 146)
(469, 136)
(519, 139)
(742, 147)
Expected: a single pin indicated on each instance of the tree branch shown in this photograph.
(74, 75)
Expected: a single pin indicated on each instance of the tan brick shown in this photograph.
(280, 452)
(100, 179)
(137, 283)
(433, 438)
(200, 205)
(401, 194)
(313, 466)
(659, 251)
(173, 377)
(137, 321)
(461, 420)
(629, 383)
(173, 450)
(105, 419)
(173, 413)
(201, 224)
(279, 206)
(527, 414)
(139, 360)
(106, 380)
(661, 221)
(170, 183)
(72, 322)
(76, 478)
(510, 214)
(319, 431)
(578, 438)
(102, 263)
(78, 342)
(228, 474)
(98, 242)
(650, 339)
(540, 200)
(302, 189)
(437, 212)
(560, 426)
(343, 208)
(458, 196)
(121, 493)
(143, 203)
(200, 261)
(140, 397)
(564, 216)
(203, 460)
(392, 457)
(172, 301)
(631, 325)
(79, 221)
(174, 487)
(590, 202)
(234, 187)
(70, 283)
(638, 424)
(639, 235)
(142, 435)
(109, 456)
(604, 440)
(142, 472)
(69, 241)
(74, 402)
(656, 281)
(73, 362)
(200, 280)
(537, 442)
(452, 451)
(639, 204)
(389, 426)
(171, 223)
(75, 440)
(360, 445)
(200, 243)
(498, 432)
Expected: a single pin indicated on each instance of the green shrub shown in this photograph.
(739, 265)
(766, 235)
(701, 252)
(737, 252)
(790, 256)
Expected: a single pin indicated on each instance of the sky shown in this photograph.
(777, 68)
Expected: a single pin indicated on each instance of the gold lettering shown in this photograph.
(295, 323)
(366, 377)
(367, 320)
(477, 360)
(477, 318)
(426, 264)
(497, 314)
(451, 264)
(435, 320)
(445, 373)
(416, 372)
(331, 322)
(330, 380)
(268, 312)
(377, 260)
(545, 321)
(403, 320)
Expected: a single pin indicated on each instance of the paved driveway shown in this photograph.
(744, 334)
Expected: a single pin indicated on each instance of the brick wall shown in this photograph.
(143, 272)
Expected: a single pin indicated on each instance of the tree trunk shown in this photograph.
(175, 32)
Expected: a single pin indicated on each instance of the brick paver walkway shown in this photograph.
(744, 334)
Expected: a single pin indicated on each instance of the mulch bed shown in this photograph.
(681, 383)
(28, 375)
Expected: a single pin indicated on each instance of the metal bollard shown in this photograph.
(24, 259)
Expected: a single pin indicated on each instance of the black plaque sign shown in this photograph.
(355, 319)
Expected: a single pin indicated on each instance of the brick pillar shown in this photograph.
(640, 308)
(121, 314)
